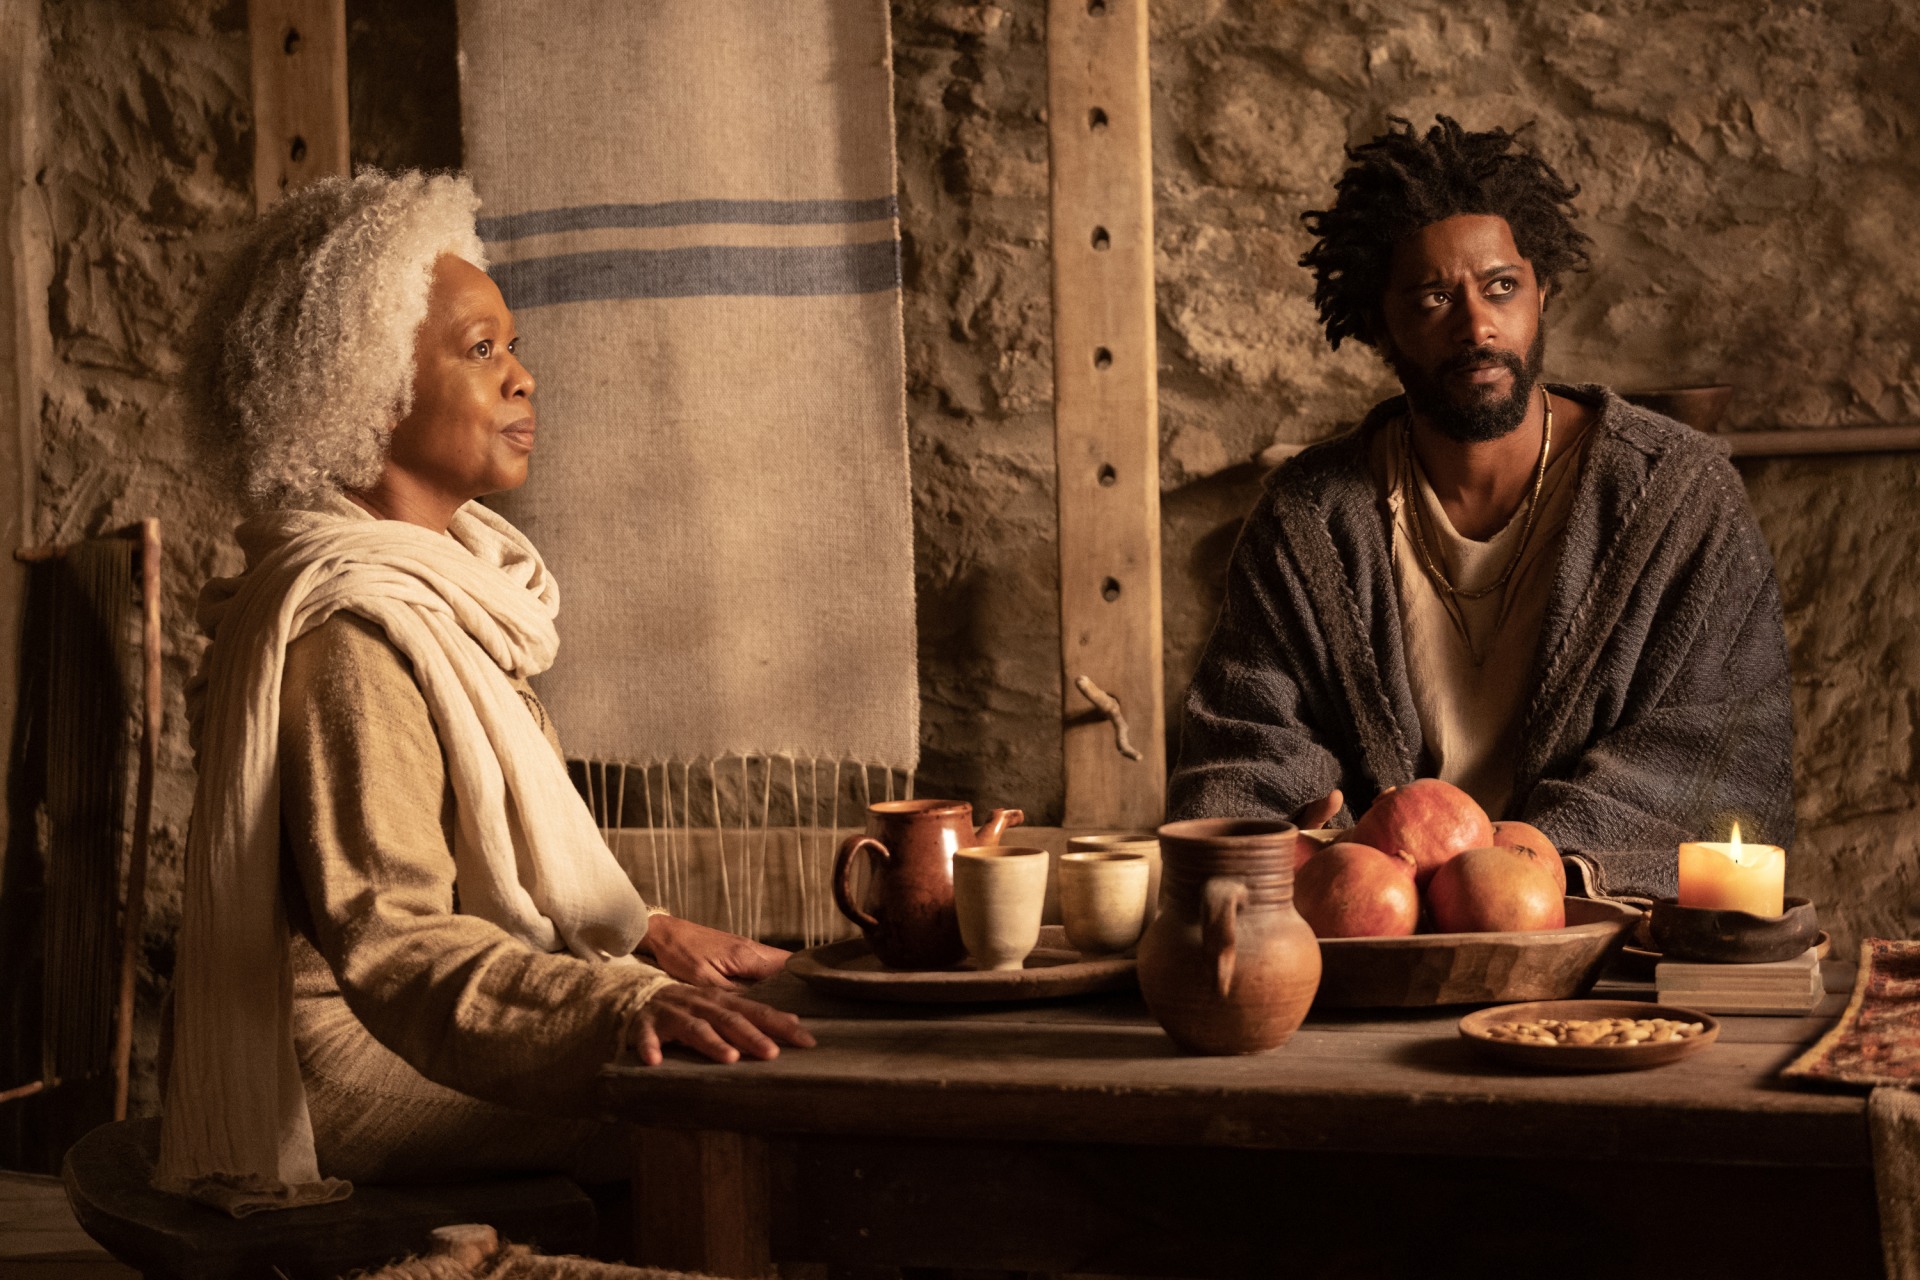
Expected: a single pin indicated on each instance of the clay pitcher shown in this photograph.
(1228, 965)
(908, 914)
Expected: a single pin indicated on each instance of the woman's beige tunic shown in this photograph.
(428, 1040)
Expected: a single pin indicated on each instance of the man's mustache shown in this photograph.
(1480, 357)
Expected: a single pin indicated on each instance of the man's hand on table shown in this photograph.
(708, 957)
(1320, 812)
(717, 1023)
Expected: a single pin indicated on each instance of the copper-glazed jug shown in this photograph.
(907, 910)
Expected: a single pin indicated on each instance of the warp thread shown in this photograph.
(741, 842)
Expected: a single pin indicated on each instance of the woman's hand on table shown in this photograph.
(719, 1024)
(1318, 814)
(708, 957)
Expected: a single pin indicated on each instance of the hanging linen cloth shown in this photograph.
(689, 206)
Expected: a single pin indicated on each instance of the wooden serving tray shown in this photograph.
(850, 969)
(1587, 1057)
(1425, 969)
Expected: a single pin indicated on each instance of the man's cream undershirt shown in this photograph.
(1471, 662)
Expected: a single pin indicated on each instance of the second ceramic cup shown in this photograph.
(1103, 900)
(1144, 843)
(998, 893)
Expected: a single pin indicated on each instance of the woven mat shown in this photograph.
(689, 205)
(517, 1262)
(1877, 1040)
(1876, 1044)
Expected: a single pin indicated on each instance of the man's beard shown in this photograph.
(1483, 414)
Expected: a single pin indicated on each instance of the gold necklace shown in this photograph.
(1526, 530)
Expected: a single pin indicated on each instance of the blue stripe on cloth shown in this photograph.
(703, 272)
(687, 213)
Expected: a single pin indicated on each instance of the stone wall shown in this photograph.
(1748, 230)
(145, 164)
(1745, 228)
(145, 146)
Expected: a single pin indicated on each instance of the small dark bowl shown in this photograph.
(1709, 936)
(1698, 407)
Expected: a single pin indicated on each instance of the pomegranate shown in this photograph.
(1355, 891)
(1308, 843)
(1520, 835)
(1494, 889)
(1428, 820)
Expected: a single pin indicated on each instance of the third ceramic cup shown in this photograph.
(1144, 843)
(998, 893)
(1103, 900)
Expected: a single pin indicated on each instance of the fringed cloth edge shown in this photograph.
(743, 842)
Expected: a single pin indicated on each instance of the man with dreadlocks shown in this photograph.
(1553, 599)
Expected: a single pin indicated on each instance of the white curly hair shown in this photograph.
(302, 353)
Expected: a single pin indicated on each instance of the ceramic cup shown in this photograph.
(1103, 900)
(1144, 843)
(998, 893)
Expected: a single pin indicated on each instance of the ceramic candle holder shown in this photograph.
(998, 893)
(1711, 936)
(1103, 900)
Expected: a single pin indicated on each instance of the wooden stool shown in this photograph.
(168, 1237)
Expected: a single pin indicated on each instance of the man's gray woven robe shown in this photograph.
(1661, 706)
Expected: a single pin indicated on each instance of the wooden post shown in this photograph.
(152, 712)
(701, 1201)
(299, 94)
(1106, 411)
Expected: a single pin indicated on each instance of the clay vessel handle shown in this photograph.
(843, 877)
(1221, 900)
(998, 824)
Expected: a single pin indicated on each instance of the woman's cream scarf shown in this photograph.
(467, 610)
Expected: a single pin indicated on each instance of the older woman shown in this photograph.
(406, 949)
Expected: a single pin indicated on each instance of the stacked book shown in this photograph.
(1783, 986)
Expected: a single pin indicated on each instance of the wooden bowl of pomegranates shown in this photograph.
(1427, 901)
(1424, 969)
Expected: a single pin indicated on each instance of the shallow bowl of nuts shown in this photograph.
(1589, 1035)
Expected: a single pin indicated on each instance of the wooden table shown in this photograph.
(1074, 1139)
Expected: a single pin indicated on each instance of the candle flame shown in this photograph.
(1734, 840)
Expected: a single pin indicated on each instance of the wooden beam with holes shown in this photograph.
(1106, 412)
(299, 94)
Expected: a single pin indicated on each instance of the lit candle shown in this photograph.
(1733, 876)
